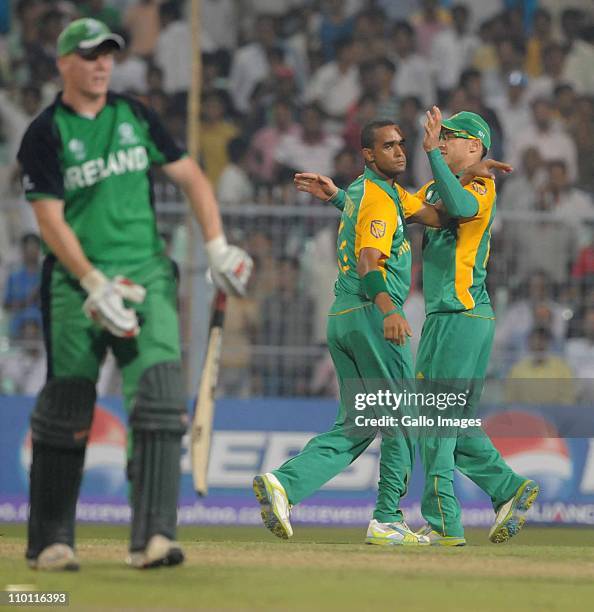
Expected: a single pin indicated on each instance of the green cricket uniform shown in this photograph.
(456, 343)
(100, 168)
(373, 216)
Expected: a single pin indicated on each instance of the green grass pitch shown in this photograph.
(237, 568)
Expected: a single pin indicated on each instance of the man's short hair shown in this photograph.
(368, 131)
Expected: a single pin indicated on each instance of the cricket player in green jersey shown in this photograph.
(107, 284)
(458, 333)
(368, 342)
(466, 357)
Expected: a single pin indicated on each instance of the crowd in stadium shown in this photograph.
(286, 86)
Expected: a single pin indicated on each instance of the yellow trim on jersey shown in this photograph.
(470, 235)
(335, 314)
(466, 314)
(411, 204)
(377, 220)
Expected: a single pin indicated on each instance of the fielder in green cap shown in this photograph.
(458, 334)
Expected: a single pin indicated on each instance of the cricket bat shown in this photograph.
(204, 407)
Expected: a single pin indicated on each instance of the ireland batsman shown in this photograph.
(106, 283)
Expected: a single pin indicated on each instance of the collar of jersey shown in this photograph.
(59, 101)
(386, 185)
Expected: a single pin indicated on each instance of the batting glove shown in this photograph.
(105, 303)
(230, 266)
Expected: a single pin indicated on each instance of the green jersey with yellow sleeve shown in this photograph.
(373, 214)
(455, 257)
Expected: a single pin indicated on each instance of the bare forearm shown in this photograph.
(188, 175)
(64, 244)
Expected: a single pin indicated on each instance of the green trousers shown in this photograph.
(362, 356)
(76, 346)
(454, 352)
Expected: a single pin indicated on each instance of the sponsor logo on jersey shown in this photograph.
(126, 134)
(93, 171)
(479, 188)
(378, 228)
(77, 148)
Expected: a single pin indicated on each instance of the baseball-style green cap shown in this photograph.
(469, 125)
(86, 35)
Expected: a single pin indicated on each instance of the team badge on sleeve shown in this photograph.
(378, 228)
(479, 187)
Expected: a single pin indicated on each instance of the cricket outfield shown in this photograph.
(246, 568)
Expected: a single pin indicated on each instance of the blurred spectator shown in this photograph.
(173, 51)
(23, 369)
(513, 110)
(250, 63)
(235, 186)
(583, 134)
(582, 270)
(347, 166)
(142, 21)
(485, 57)
(215, 134)
(16, 113)
(542, 36)
(540, 378)
(521, 316)
(573, 206)
(510, 55)
(219, 20)
(129, 72)
(240, 330)
(97, 9)
(547, 136)
(286, 322)
(359, 114)
(580, 355)
(452, 51)
(565, 100)
(521, 189)
(265, 141)
(553, 59)
(411, 125)
(428, 23)
(579, 36)
(413, 71)
(312, 149)
(472, 82)
(335, 24)
(21, 296)
(384, 72)
(335, 86)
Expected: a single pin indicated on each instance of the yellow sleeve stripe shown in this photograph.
(410, 203)
(377, 220)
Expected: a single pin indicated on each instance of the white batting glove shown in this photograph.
(105, 304)
(230, 266)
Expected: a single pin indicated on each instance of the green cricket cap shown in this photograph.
(469, 125)
(85, 35)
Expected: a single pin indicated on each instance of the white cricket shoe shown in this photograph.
(55, 557)
(393, 534)
(436, 539)
(274, 505)
(160, 551)
(510, 518)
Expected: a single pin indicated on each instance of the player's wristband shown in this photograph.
(373, 283)
(390, 312)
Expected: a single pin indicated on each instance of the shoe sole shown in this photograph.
(174, 557)
(71, 566)
(515, 518)
(271, 521)
(449, 542)
(387, 542)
